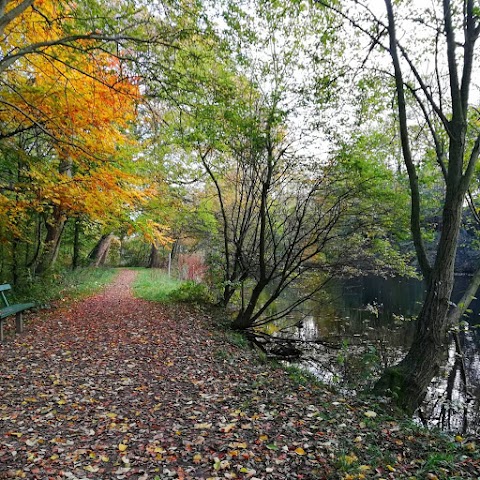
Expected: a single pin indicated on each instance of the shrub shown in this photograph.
(190, 292)
(155, 285)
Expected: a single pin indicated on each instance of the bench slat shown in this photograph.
(19, 307)
(8, 310)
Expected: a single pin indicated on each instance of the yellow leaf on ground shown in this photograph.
(349, 459)
(227, 428)
(203, 426)
(300, 451)
(122, 447)
(239, 445)
(91, 468)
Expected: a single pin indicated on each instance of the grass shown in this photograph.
(237, 339)
(300, 376)
(155, 285)
(78, 283)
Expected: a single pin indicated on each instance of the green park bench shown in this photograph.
(8, 310)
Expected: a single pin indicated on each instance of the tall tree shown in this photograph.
(433, 83)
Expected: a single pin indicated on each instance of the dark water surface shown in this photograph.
(370, 320)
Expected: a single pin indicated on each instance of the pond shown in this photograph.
(365, 324)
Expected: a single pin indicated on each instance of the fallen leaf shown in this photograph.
(228, 428)
(203, 426)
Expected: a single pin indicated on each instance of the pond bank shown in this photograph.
(371, 321)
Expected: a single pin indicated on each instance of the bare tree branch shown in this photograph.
(6, 18)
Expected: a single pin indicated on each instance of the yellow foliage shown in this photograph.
(82, 106)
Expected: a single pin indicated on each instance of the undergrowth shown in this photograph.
(76, 283)
(157, 286)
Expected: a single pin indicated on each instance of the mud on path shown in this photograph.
(114, 387)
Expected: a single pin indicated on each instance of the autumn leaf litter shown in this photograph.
(114, 387)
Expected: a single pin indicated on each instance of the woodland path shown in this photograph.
(114, 387)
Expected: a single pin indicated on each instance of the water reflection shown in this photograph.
(371, 322)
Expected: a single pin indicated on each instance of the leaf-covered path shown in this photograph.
(115, 387)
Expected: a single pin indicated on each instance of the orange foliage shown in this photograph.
(80, 108)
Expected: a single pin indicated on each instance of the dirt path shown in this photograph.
(111, 370)
(115, 387)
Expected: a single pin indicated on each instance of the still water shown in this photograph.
(366, 324)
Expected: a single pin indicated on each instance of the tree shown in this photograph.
(441, 96)
(276, 215)
(65, 178)
(279, 223)
(68, 97)
(59, 33)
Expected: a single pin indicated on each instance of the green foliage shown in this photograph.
(237, 339)
(190, 292)
(220, 354)
(157, 286)
(78, 283)
(300, 376)
(135, 252)
(366, 164)
(154, 285)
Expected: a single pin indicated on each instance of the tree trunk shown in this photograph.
(228, 292)
(456, 312)
(15, 261)
(51, 245)
(55, 226)
(38, 244)
(154, 259)
(245, 317)
(409, 380)
(99, 253)
(76, 245)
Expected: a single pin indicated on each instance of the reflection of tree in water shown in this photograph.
(452, 401)
(471, 343)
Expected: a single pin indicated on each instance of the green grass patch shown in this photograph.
(157, 286)
(237, 338)
(154, 285)
(77, 283)
(300, 376)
